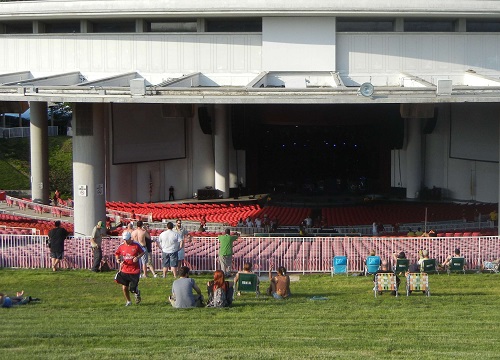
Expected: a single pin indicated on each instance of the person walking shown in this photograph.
(96, 243)
(128, 257)
(141, 235)
(56, 244)
(226, 251)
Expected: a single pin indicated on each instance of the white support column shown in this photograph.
(221, 146)
(39, 145)
(414, 158)
(88, 166)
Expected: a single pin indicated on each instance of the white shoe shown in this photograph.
(128, 303)
(155, 275)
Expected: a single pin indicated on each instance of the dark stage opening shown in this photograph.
(318, 149)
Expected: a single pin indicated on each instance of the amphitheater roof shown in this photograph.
(264, 88)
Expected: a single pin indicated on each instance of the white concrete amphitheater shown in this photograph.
(261, 95)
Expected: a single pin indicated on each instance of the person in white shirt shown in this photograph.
(170, 244)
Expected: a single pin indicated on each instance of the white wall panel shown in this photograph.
(442, 48)
(393, 52)
(287, 40)
(238, 55)
(359, 55)
(125, 61)
(154, 55)
(113, 53)
(411, 53)
(205, 53)
(377, 45)
(189, 46)
(221, 53)
(142, 46)
(419, 54)
(173, 53)
(254, 50)
(97, 49)
(429, 58)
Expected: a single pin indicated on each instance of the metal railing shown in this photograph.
(297, 254)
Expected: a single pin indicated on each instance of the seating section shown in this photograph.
(19, 225)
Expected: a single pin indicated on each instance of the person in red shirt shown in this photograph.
(127, 256)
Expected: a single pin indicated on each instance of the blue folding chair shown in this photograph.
(339, 265)
(372, 264)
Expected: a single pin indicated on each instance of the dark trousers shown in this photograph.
(97, 251)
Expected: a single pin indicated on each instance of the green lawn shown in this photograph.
(82, 315)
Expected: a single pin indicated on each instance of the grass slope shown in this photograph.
(82, 315)
(15, 167)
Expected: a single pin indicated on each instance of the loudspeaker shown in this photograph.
(205, 120)
(430, 124)
(238, 128)
(396, 132)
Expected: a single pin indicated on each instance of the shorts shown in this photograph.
(56, 255)
(130, 280)
(145, 258)
(180, 254)
(226, 261)
(169, 260)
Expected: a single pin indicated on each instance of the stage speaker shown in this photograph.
(205, 120)
(238, 128)
(396, 133)
(430, 124)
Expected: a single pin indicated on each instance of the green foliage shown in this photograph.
(82, 315)
(15, 164)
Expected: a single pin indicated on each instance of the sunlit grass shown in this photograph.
(82, 315)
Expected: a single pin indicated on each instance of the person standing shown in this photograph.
(183, 237)
(140, 235)
(128, 256)
(170, 244)
(226, 251)
(96, 243)
(56, 243)
(171, 193)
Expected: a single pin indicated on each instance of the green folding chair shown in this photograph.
(247, 283)
(428, 266)
(401, 266)
(457, 264)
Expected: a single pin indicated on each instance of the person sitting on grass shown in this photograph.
(220, 292)
(247, 269)
(8, 301)
(182, 291)
(280, 284)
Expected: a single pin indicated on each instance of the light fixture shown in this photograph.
(366, 89)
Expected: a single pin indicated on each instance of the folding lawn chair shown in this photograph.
(428, 266)
(247, 283)
(490, 266)
(401, 266)
(339, 265)
(372, 264)
(456, 264)
(417, 282)
(385, 282)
